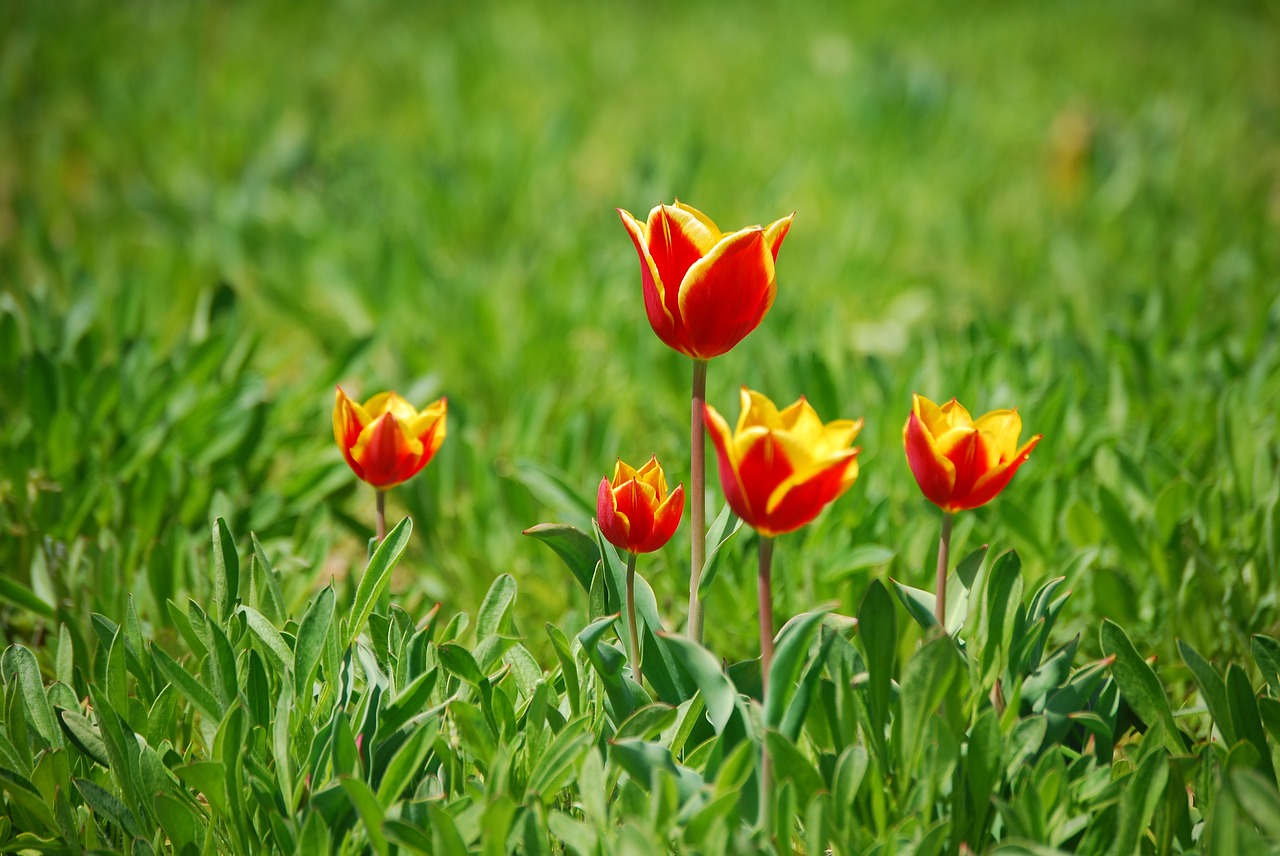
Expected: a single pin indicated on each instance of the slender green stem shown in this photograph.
(765, 590)
(631, 618)
(697, 498)
(944, 554)
(382, 515)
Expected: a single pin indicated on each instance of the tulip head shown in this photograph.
(704, 290)
(634, 509)
(385, 440)
(958, 462)
(780, 468)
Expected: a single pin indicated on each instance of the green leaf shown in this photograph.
(717, 690)
(106, 804)
(24, 598)
(790, 765)
(1142, 794)
(719, 542)
(1139, 684)
(558, 760)
(496, 606)
(375, 578)
(20, 662)
(578, 549)
(926, 680)
(406, 763)
(370, 811)
(1212, 689)
(1245, 719)
(273, 644)
(458, 661)
(226, 570)
(309, 647)
(568, 667)
(1259, 799)
(1266, 651)
(410, 702)
(860, 558)
(84, 736)
(920, 604)
(788, 660)
(203, 700)
(878, 630)
(647, 722)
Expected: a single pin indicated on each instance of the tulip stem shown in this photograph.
(631, 618)
(382, 515)
(766, 662)
(697, 498)
(944, 553)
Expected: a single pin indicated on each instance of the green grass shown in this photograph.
(210, 214)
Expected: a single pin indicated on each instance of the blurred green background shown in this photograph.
(211, 213)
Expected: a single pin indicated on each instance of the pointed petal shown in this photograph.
(659, 299)
(934, 473)
(726, 294)
(698, 226)
(799, 499)
(776, 232)
(666, 519)
(622, 472)
(955, 415)
(386, 453)
(989, 485)
(614, 526)
(1003, 426)
(730, 482)
(349, 419)
(390, 402)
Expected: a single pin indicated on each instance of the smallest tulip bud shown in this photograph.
(635, 511)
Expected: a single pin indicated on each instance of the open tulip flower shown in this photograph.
(958, 462)
(780, 468)
(386, 441)
(637, 514)
(704, 290)
(635, 511)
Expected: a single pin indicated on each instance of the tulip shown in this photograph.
(635, 511)
(637, 514)
(386, 441)
(704, 291)
(779, 469)
(960, 464)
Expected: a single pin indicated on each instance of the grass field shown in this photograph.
(212, 213)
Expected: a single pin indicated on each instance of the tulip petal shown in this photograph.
(989, 485)
(730, 482)
(697, 227)
(1004, 426)
(390, 402)
(615, 526)
(955, 415)
(666, 520)
(659, 303)
(776, 232)
(935, 474)
(726, 294)
(386, 453)
(799, 499)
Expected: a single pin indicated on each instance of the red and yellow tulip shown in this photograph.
(959, 462)
(386, 441)
(704, 290)
(780, 468)
(635, 511)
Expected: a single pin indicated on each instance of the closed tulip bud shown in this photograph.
(635, 511)
(962, 463)
(780, 468)
(386, 441)
(704, 290)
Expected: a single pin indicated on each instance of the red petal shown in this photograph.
(615, 527)
(805, 500)
(386, 457)
(726, 295)
(991, 483)
(666, 520)
(730, 482)
(934, 473)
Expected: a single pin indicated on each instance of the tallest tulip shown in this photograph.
(704, 291)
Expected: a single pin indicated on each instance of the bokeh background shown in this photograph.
(211, 213)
